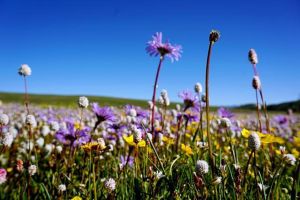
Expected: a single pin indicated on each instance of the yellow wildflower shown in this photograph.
(168, 140)
(77, 198)
(93, 146)
(130, 142)
(264, 138)
(295, 153)
(188, 150)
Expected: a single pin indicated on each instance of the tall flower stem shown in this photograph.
(211, 159)
(154, 96)
(247, 166)
(258, 113)
(265, 110)
(200, 126)
(26, 101)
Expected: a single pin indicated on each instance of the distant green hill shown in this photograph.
(294, 105)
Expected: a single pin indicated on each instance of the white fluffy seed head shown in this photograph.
(256, 84)
(4, 119)
(30, 120)
(83, 102)
(62, 188)
(254, 141)
(198, 88)
(7, 139)
(24, 70)
(32, 170)
(164, 93)
(252, 56)
(54, 126)
(137, 135)
(110, 184)
(132, 112)
(289, 159)
(201, 167)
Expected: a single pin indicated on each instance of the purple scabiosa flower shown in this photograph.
(190, 101)
(223, 112)
(71, 136)
(156, 47)
(103, 114)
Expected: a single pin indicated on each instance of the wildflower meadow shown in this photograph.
(162, 151)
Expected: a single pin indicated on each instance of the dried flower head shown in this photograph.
(214, 36)
(110, 184)
(252, 56)
(24, 70)
(4, 119)
(32, 170)
(19, 165)
(256, 84)
(30, 120)
(201, 167)
(198, 88)
(254, 141)
(62, 188)
(83, 102)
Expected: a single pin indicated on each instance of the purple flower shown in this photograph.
(103, 113)
(73, 137)
(190, 100)
(156, 47)
(3, 174)
(223, 112)
(281, 120)
(123, 161)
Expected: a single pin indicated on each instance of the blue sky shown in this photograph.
(98, 47)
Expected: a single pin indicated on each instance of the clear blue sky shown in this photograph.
(98, 47)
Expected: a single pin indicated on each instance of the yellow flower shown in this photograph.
(130, 142)
(77, 126)
(93, 146)
(77, 198)
(295, 153)
(168, 140)
(264, 138)
(188, 150)
(297, 141)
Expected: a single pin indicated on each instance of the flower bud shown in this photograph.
(252, 56)
(256, 84)
(214, 36)
(254, 141)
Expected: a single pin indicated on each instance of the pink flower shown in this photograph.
(2, 175)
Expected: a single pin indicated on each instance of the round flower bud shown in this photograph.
(256, 84)
(164, 93)
(214, 36)
(62, 188)
(252, 56)
(137, 135)
(225, 122)
(198, 88)
(132, 112)
(289, 159)
(201, 167)
(110, 184)
(83, 102)
(54, 126)
(7, 139)
(254, 141)
(24, 70)
(32, 170)
(59, 149)
(30, 120)
(4, 119)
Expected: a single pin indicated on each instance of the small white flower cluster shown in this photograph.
(62, 188)
(4, 119)
(24, 70)
(54, 126)
(110, 184)
(201, 167)
(83, 102)
(164, 98)
(32, 170)
(254, 141)
(198, 88)
(7, 139)
(30, 120)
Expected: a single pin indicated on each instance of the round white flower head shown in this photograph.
(45, 130)
(32, 170)
(252, 56)
(4, 119)
(256, 84)
(83, 102)
(201, 167)
(289, 159)
(254, 141)
(59, 149)
(225, 122)
(110, 184)
(7, 139)
(24, 70)
(101, 143)
(30, 120)
(62, 188)
(132, 112)
(40, 142)
(164, 93)
(137, 135)
(198, 88)
(54, 126)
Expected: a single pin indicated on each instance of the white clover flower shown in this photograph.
(40, 142)
(201, 167)
(7, 139)
(4, 119)
(45, 130)
(256, 84)
(62, 188)
(252, 56)
(32, 170)
(59, 149)
(198, 88)
(254, 141)
(289, 159)
(30, 120)
(24, 70)
(83, 102)
(110, 184)
(132, 112)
